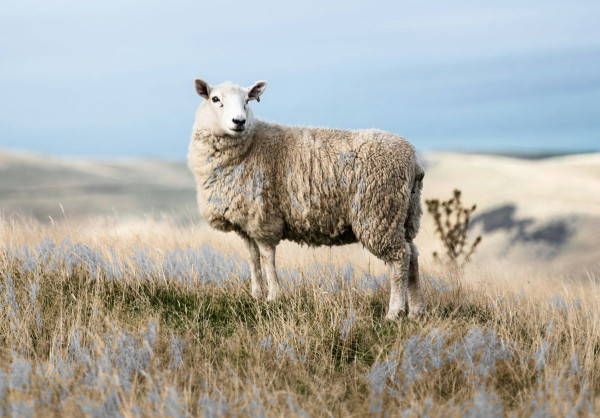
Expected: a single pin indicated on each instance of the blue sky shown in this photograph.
(115, 78)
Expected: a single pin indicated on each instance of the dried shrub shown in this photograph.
(451, 225)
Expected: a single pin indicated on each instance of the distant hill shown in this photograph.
(37, 185)
(540, 213)
(531, 155)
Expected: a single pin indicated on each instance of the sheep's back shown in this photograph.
(326, 178)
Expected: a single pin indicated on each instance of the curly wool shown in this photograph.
(317, 186)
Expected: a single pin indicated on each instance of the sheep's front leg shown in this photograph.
(399, 284)
(255, 269)
(268, 253)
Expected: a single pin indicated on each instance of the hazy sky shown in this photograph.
(115, 77)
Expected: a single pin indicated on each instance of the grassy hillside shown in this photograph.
(115, 299)
(45, 187)
(151, 318)
(534, 214)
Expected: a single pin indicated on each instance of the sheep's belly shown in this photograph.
(316, 237)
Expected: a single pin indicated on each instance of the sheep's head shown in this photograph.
(226, 110)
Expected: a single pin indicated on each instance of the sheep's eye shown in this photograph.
(215, 99)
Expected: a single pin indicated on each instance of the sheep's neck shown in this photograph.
(223, 148)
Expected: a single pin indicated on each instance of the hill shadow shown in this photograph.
(554, 234)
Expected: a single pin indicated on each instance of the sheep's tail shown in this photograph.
(413, 216)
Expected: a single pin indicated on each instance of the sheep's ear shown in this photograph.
(202, 88)
(256, 90)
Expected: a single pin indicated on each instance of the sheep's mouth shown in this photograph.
(237, 129)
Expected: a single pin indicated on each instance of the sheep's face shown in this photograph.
(226, 110)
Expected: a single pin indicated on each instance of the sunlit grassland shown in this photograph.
(147, 317)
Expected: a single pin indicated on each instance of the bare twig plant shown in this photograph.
(451, 225)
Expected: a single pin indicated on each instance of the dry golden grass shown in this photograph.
(494, 341)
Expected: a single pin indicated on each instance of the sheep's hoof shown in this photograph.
(273, 296)
(395, 315)
(416, 313)
(258, 294)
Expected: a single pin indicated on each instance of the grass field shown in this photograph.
(106, 318)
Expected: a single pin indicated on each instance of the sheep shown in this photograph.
(316, 186)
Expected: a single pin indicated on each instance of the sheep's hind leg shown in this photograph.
(255, 269)
(416, 303)
(398, 284)
(268, 253)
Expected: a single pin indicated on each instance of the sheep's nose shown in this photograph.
(240, 122)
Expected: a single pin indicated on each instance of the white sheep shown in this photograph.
(318, 186)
